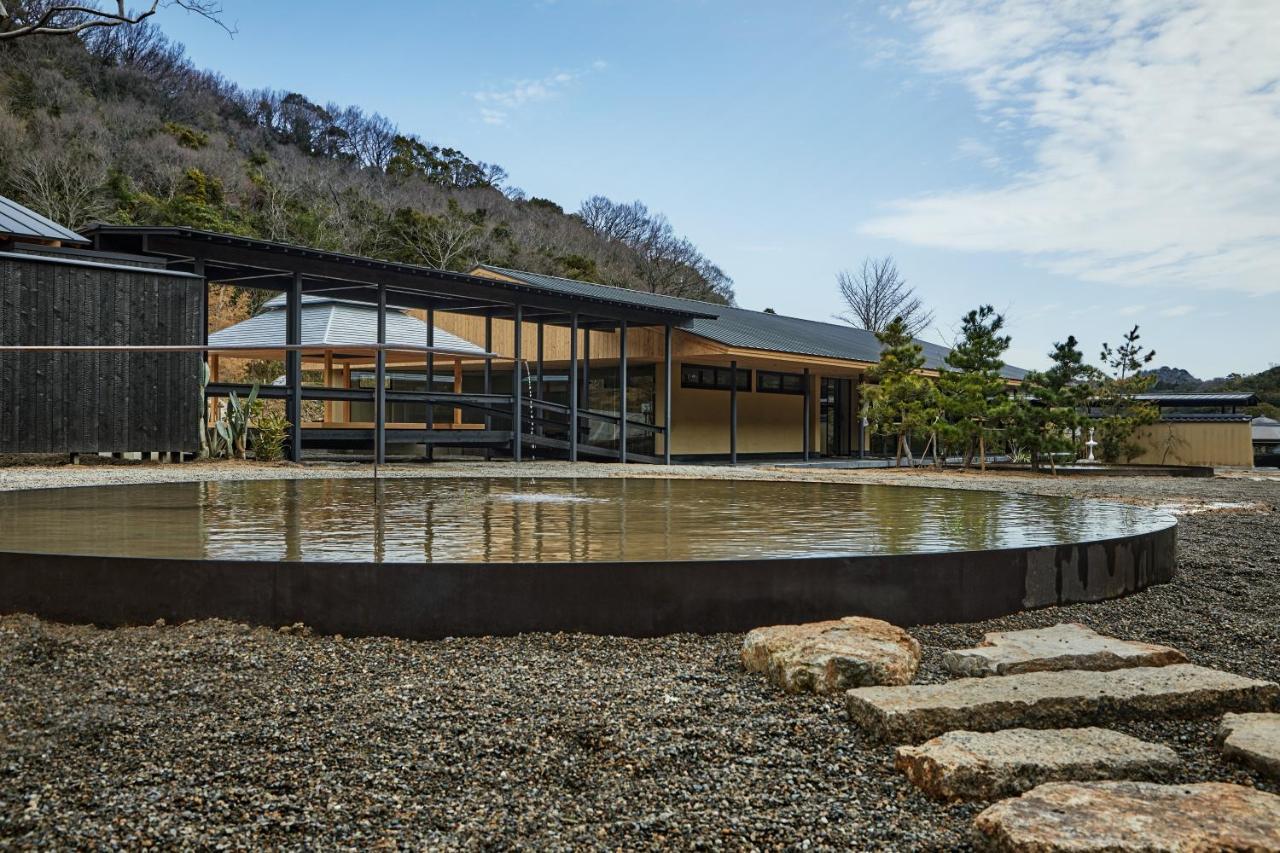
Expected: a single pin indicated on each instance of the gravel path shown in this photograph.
(211, 733)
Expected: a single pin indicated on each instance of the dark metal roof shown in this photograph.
(739, 327)
(335, 323)
(1204, 417)
(321, 264)
(1199, 398)
(1266, 430)
(19, 221)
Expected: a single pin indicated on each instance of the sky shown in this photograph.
(1082, 166)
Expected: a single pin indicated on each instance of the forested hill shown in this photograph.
(1266, 384)
(121, 127)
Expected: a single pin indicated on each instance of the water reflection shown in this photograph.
(541, 520)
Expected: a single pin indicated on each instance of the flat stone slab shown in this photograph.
(1042, 700)
(1133, 816)
(1069, 645)
(1252, 739)
(828, 657)
(988, 765)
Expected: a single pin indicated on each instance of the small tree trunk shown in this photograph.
(982, 452)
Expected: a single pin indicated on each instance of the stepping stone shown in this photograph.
(989, 765)
(828, 657)
(1252, 739)
(1066, 646)
(1133, 816)
(1047, 700)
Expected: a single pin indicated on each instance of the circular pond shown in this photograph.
(440, 556)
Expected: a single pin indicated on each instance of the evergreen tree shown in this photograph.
(973, 391)
(1122, 415)
(1051, 407)
(901, 401)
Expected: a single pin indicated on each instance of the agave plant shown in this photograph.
(230, 432)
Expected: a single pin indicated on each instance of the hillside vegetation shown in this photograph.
(1265, 384)
(121, 127)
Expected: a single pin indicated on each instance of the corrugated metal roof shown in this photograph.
(739, 327)
(335, 323)
(1200, 398)
(1266, 430)
(19, 221)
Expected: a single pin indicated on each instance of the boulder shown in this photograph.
(829, 657)
(987, 765)
(1066, 646)
(1047, 700)
(1132, 816)
(1252, 739)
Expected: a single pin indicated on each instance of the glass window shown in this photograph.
(713, 378)
(770, 382)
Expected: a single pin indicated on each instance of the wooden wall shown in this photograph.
(1216, 443)
(96, 402)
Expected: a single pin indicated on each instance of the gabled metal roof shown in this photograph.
(1199, 398)
(739, 327)
(19, 221)
(1266, 430)
(335, 324)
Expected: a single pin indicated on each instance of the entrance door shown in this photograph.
(835, 416)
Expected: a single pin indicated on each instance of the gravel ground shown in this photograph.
(214, 734)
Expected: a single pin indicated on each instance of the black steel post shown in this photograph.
(380, 384)
(622, 392)
(733, 413)
(539, 393)
(293, 366)
(516, 427)
(488, 373)
(584, 402)
(428, 447)
(573, 387)
(808, 401)
(666, 409)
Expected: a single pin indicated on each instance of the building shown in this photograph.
(1197, 428)
(1265, 433)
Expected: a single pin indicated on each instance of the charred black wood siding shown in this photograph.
(86, 402)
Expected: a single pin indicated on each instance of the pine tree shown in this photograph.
(973, 391)
(1051, 406)
(901, 401)
(1122, 415)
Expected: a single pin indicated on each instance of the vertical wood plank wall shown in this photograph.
(90, 402)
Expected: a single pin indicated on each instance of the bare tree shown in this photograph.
(37, 18)
(878, 293)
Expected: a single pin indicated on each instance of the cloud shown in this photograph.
(1177, 310)
(496, 105)
(1151, 131)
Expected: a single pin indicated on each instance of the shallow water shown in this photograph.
(541, 520)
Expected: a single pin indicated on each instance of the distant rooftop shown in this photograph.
(1200, 398)
(22, 223)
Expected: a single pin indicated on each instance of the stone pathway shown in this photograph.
(1066, 646)
(1252, 739)
(1133, 816)
(830, 657)
(986, 765)
(913, 713)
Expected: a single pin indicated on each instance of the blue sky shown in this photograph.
(1081, 165)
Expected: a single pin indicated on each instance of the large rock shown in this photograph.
(828, 657)
(988, 765)
(1133, 816)
(1066, 646)
(1053, 700)
(1252, 739)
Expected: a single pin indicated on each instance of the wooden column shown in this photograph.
(328, 383)
(380, 383)
(293, 366)
(457, 389)
(573, 387)
(733, 413)
(808, 402)
(622, 392)
(666, 409)
(517, 329)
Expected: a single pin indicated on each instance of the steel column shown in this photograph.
(539, 388)
(622, 392)
(380, 384)
(573, 387)
(429, 448)
(733, 413)
(488, 372)
(808, 402)
(666, 416)
(516, 427)
(293, 366)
